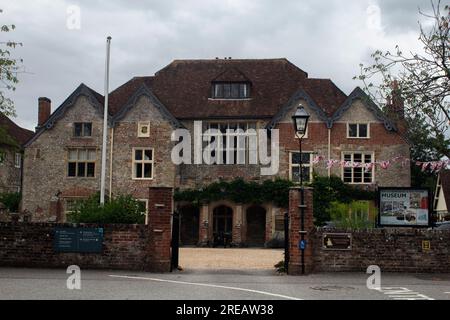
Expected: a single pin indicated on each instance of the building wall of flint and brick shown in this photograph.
(47, 174)
(10, 176)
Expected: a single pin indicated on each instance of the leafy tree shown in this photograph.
(329, 190)
(422, 79)
(9, 68)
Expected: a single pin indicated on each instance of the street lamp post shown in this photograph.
(300, 120)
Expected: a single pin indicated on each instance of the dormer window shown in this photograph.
(231, 90)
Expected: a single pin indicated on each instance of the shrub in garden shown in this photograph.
(123, 209)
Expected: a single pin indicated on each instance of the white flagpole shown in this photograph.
(105, 124)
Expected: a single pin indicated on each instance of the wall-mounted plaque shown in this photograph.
(88, 240)
(337, 241)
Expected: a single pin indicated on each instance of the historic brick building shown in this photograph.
(62, 160)
(11, 139)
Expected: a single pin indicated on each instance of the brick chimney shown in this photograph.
(395, 107)
(44, 111)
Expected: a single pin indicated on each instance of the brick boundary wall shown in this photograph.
(393, 250)
(125, 247)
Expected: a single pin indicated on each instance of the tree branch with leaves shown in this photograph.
(9, 69)
(423, 79)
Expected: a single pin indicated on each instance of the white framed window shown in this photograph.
(82, 129)
(144, 203)
(144, 129)
(358, 130)
(81, 163)
(294, 166)
(234, 142)
(18, 160)
(143, 163)
(356, 173)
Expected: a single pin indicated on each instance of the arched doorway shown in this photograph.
(222, 225)
(189, 225)
(256, 226)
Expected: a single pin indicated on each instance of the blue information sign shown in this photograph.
(89, 240)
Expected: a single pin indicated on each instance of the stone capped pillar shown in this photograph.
(160, 210)
(295, 263)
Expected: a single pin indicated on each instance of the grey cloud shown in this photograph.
(327, 39)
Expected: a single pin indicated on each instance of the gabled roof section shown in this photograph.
(82, 90)
(231, 75)
(184, 87)
(359, 94)
(18, 134)
(325, 93)
(144, 91)
(293, 101)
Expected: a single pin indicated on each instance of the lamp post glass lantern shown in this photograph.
(300, 120)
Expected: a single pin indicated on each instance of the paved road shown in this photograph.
(218, 284)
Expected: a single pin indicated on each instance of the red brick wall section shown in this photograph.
(160, 210)
(30, 245)
(393, 250)
(295, 263)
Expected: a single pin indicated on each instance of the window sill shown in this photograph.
(142, 179)
(86, 178)
(359, 138)
(224, 99)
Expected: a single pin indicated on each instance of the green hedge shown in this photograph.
(326, 191)
(239, 191)
(119, 210)
(11, 201)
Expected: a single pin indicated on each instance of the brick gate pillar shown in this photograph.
(160, 210)
(204, 225)
(295, 253)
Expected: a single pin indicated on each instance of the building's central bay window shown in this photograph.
(231, 143)
(294, 166)
(356, 172)
(81, 163)
(142, 163)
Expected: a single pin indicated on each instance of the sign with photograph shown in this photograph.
(403, 207)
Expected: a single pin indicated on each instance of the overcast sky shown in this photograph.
(328, 38)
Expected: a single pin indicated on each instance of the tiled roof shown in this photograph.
(184, 87)
(445, 182)
(19, 134)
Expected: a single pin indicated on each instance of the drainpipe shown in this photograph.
(111, 163)
(329, 150)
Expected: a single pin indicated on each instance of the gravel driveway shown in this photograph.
(231, 259)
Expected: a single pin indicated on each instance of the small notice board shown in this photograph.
(88, 240)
